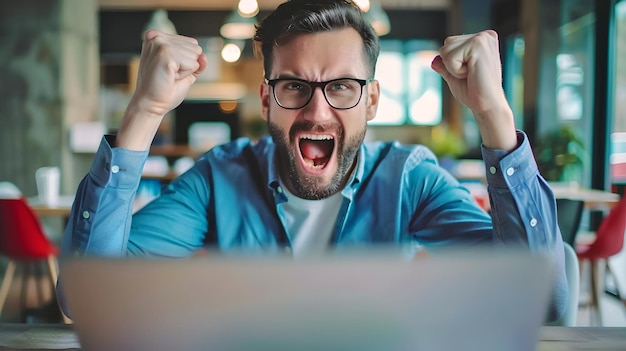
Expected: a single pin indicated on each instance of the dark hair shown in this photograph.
(313, 16)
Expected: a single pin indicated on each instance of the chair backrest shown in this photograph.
(569, 213)
(610, 235)
(573, 281)
(21, 235)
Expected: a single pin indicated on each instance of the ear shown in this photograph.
(264, 93)
(373, 96)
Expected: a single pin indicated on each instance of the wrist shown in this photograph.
(497, 129)
(138, 129)
(144, 107)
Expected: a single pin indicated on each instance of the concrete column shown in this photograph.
(49, 79)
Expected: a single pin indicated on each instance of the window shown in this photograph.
(618, 136)
(411, 92)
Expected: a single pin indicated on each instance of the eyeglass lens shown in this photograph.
(340, 93)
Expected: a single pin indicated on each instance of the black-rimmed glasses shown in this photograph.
(341, 93)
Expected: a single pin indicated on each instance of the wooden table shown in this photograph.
(61, 209)
(594, 199)
(62, 337)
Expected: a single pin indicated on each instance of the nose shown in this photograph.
(318, 109)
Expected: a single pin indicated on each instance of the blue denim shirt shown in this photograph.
(397, 194)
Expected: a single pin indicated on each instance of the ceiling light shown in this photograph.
(248, 8)
(238, 27)
(231, 52)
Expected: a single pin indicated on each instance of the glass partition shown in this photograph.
(618, 127)
(411, 92)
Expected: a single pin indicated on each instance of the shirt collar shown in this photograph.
(273, 177)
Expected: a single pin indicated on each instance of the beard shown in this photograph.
(305, 185)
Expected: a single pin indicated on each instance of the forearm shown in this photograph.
(524, 212)
(99, 223)
(169, 65)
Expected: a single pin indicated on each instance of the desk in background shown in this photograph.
(594, 199)
(63, 337)
(53, 218)
(61, 209)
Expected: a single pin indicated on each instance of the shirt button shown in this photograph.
(115, 168)
(492, 170)
(287, 249)
(85, 214)
(510, 171)
(279, 190)
(533, 222)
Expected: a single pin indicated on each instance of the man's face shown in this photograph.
(317, 144)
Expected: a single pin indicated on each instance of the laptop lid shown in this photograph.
(462, 301)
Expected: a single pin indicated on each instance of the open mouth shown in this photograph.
(316, 149)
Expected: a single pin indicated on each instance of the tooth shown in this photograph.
(316, 137)
(311, 164)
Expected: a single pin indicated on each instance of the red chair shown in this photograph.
(609, 241)
(23, 241)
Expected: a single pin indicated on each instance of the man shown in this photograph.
(314, 184)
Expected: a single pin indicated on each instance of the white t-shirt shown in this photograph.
(310, 223)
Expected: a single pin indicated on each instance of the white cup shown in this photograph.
(48, 181)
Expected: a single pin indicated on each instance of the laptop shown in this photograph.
(461, 301)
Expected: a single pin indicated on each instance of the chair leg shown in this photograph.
(593, 303)
(6, 283)
(26, 275)
(54, 276)
(618, 293)
(38, 283)
(597, 287)
(52, 270)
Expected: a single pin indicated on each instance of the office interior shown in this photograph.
(68, 68)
